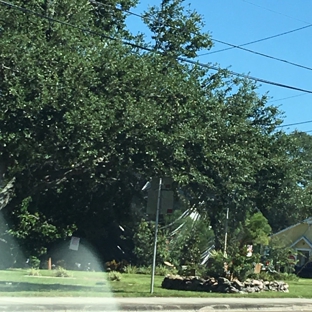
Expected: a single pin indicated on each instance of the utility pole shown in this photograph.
(226, 234)
(157, 46)
(156, 232)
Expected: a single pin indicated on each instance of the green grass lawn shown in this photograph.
(94, 284)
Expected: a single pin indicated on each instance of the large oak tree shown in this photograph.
(85, 119)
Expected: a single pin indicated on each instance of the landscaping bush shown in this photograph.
(34, 262)
(160, 270)
(278, 255)
(111, 265)
(131, 269)
(287, 277)
(164, 270)
(114, 276)
(144, 269)
(189, 240)
(143, 239)
(242, 266)
(273, 276)
(61, 272)
(61, 264)
(200, 270)
(116, 266)
(33, 272)
(215, 266)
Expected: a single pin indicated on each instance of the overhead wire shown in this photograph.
(270, 10)
(264, 55)
(137, 46)
(229, 44)
(286, 98)
(295, 124)
(256, 41)
(277, 84)
(232, 45)
(119, 9)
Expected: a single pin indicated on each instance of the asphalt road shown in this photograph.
(59, 304)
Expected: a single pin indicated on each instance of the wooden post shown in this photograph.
(49, 264)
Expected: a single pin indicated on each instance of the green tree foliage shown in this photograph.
(278, 255)
(254, 231)
(234, 152)
(189, 241)
(25, 221)
(109, 16)
(283, 183)
(85, 119)
(144, 244)
(175, 30)
(51, 120)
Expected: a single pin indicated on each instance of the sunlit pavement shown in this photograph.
(154, 303)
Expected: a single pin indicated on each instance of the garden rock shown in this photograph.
(221, 285)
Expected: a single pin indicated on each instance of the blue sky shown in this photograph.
(241, 21)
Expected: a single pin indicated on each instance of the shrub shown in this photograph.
(188, 241)
(159, 270)
(164, 270)
(216, 266)
(143, 240)
(116, 266)
(34, 272)
(131, 269)
(111, 265)
(34, 262)
(287, 277)
(61, 272)
(242, 266)
(61, 264)
(278, 255)
(200, 270)
(114, 276)
(144, 270)
(268, 276)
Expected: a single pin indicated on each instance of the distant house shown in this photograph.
(298, 237)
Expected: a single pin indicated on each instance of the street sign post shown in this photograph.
(160, 201)
(155, 237)
(166, 196)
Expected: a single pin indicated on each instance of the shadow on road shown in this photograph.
(7, 286)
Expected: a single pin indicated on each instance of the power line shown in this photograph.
(262, 54)
(296, 123)
(92, 32)
(256, 41)
(259, 6)
(286, 98)
(119, 9)
(229, 44)
(277, 84)
(137, 46)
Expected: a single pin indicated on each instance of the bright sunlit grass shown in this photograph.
(19, 283)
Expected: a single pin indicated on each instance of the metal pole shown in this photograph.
(156, 232)
(226, 230)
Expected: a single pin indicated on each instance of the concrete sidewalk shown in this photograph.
(150, 304)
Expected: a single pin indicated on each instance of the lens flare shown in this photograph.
(65, 272)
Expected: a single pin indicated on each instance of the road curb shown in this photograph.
(71, 304)
(154, 307)
(217, 307)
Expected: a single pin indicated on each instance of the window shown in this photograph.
(303, 257)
